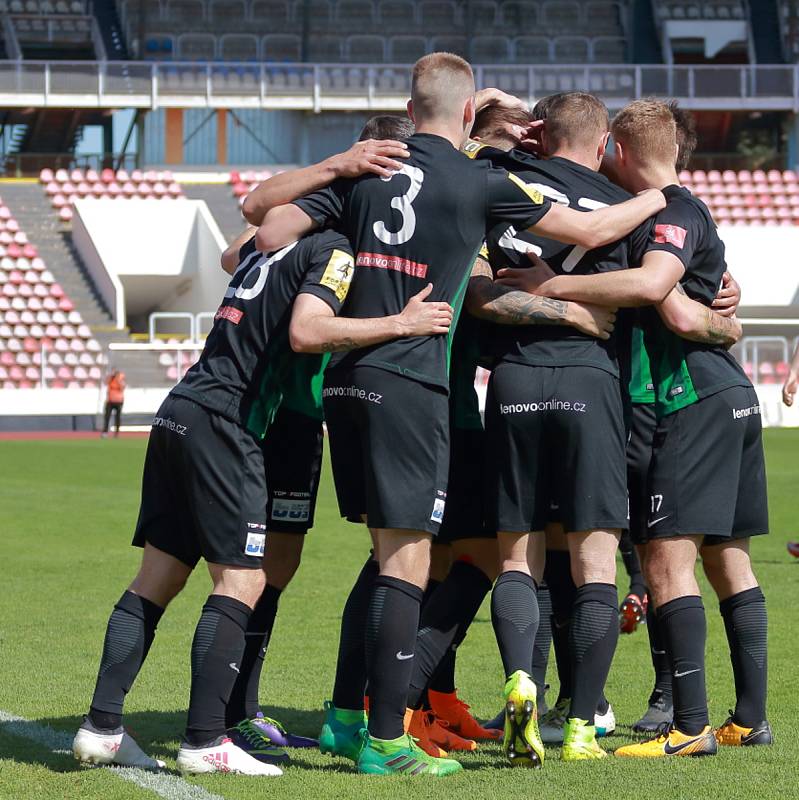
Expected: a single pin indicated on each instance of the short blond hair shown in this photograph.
(647, 129)
(576, 119)
(440, 86)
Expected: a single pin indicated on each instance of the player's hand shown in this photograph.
(530, 279)
(530, 138)
(728, 298)
(373, 155)
(655, 197)
(496, 97)
(420, 318)
(789, 389)
(596, 321)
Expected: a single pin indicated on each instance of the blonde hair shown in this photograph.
(441, 84)
(647, 129)
(576, 119)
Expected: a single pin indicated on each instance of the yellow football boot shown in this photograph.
(673, 743)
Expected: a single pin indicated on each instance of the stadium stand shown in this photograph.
(747, 197)
(40, 329)
(64, 187)
(789, 20)
(355, 31)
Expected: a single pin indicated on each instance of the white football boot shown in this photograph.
(605, 724)
(222, 756)
(93, 746)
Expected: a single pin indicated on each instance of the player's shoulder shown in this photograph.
(682, 206)
(324, 242)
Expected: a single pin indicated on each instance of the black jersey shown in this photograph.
(683, 371)
(423, 224)
(580, 188)
(247, 355)
(467, 349)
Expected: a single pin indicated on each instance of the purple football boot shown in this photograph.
(277, 734)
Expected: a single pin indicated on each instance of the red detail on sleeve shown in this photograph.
(670, 234)
(234, 315)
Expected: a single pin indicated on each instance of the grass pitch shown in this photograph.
(67, 510)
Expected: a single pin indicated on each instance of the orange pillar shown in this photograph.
(174, 136)
(221, 136)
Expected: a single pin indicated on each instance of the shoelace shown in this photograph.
(275, 723)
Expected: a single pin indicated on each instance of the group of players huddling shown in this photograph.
(473, 233)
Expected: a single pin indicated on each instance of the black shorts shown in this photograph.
(389, 447)
(708, 474)
(464, 516)
(555, 436)
(292, 452)
(203, 489)
(639, 457)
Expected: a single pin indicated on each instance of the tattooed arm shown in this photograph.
(314, 327)
(698, 323)
(506, 306)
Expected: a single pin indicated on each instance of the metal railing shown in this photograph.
(318, 87)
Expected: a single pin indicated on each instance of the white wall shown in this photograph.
(152, 255)
(765, 261)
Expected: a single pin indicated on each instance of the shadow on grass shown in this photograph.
(158, 733)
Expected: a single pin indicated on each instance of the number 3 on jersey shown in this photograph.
(403, 204)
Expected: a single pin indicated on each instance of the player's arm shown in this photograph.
(232, 255)
(602, 226)
(792, 381)
(373, 155)
(696, 322)
(500, 304)
(315, 328)
(650, 284)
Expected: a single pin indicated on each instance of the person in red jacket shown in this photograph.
(115, 397)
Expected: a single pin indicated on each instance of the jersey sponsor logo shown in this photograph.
(439, 504)
(338, 274)
(353, 391)
(670, 234)
(256, 544)
(472, 148)
(170, 425)
(290, 510)
(394, 263)
(546, 405)
(743, 413)
(229, 313)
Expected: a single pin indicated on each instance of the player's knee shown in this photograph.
(240, 583)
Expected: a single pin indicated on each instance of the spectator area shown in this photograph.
(64, 187)
(747, 197)
(36, 318)
(369, 31)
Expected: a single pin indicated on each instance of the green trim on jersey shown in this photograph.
(302, 387)
(457, 304)
(270, 396)
(642, 385)
(674, 388)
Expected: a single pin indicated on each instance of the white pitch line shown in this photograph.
(170, 787)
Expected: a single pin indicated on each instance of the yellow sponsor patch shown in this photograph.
(532, 193)
(472, 148)
(338, 274)
(484, 252)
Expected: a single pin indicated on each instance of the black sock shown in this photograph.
(746, 623)
(443, 679)
(684, 630)
(657, 649)
(629, 555)
(350, 683)
(562, 590)
(243, 702)
(429, 590)
(593, 636)
(128, 636)
(514, 615)
(216, 653)
(543, 640)
(451, 608)
(391, 629)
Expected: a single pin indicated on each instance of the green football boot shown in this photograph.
(341, 732)
(401, 756)
(522, 743)
(579, 742)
